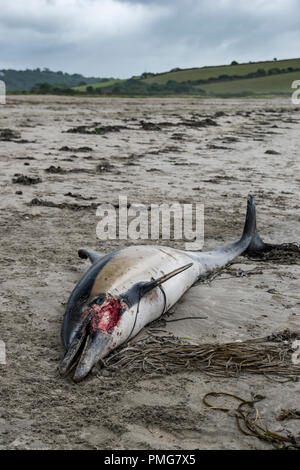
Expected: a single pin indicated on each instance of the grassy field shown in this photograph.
(271, 84)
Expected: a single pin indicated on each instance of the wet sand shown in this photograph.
(185, 150)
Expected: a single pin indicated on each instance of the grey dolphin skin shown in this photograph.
(125, 290)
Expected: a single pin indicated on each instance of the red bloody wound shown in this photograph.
(105, 316)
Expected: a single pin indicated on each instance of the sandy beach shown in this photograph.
(156, 150)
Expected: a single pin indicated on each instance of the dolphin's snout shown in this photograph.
(96, 347)
(93, 338)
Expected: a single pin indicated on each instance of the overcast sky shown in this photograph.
(122, 38)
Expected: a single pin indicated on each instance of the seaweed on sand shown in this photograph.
(270, 355)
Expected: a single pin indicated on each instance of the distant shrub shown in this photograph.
(116, 90)
(274, 71)
(42, 88)
(147, 75)
(223, 77)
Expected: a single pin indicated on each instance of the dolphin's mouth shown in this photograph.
(93, 338)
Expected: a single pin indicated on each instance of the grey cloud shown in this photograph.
(129, 37)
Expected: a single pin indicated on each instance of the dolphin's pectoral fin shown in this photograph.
(147, 286)
(137, 291)
(91, 254)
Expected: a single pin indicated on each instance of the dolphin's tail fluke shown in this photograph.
(250, 239)
(249, 232)
(250, 222)
(256, 242)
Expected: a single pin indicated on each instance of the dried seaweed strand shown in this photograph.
(250, 423)
(271, 355)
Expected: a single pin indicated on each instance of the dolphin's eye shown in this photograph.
(99, 300)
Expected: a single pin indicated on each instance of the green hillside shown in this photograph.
(252, 78)
(205, 73)
(271, 84)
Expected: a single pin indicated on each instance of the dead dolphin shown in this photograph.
(125, 290)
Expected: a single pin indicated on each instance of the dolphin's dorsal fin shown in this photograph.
(91, 254)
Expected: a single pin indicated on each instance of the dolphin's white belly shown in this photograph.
(151, 263)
